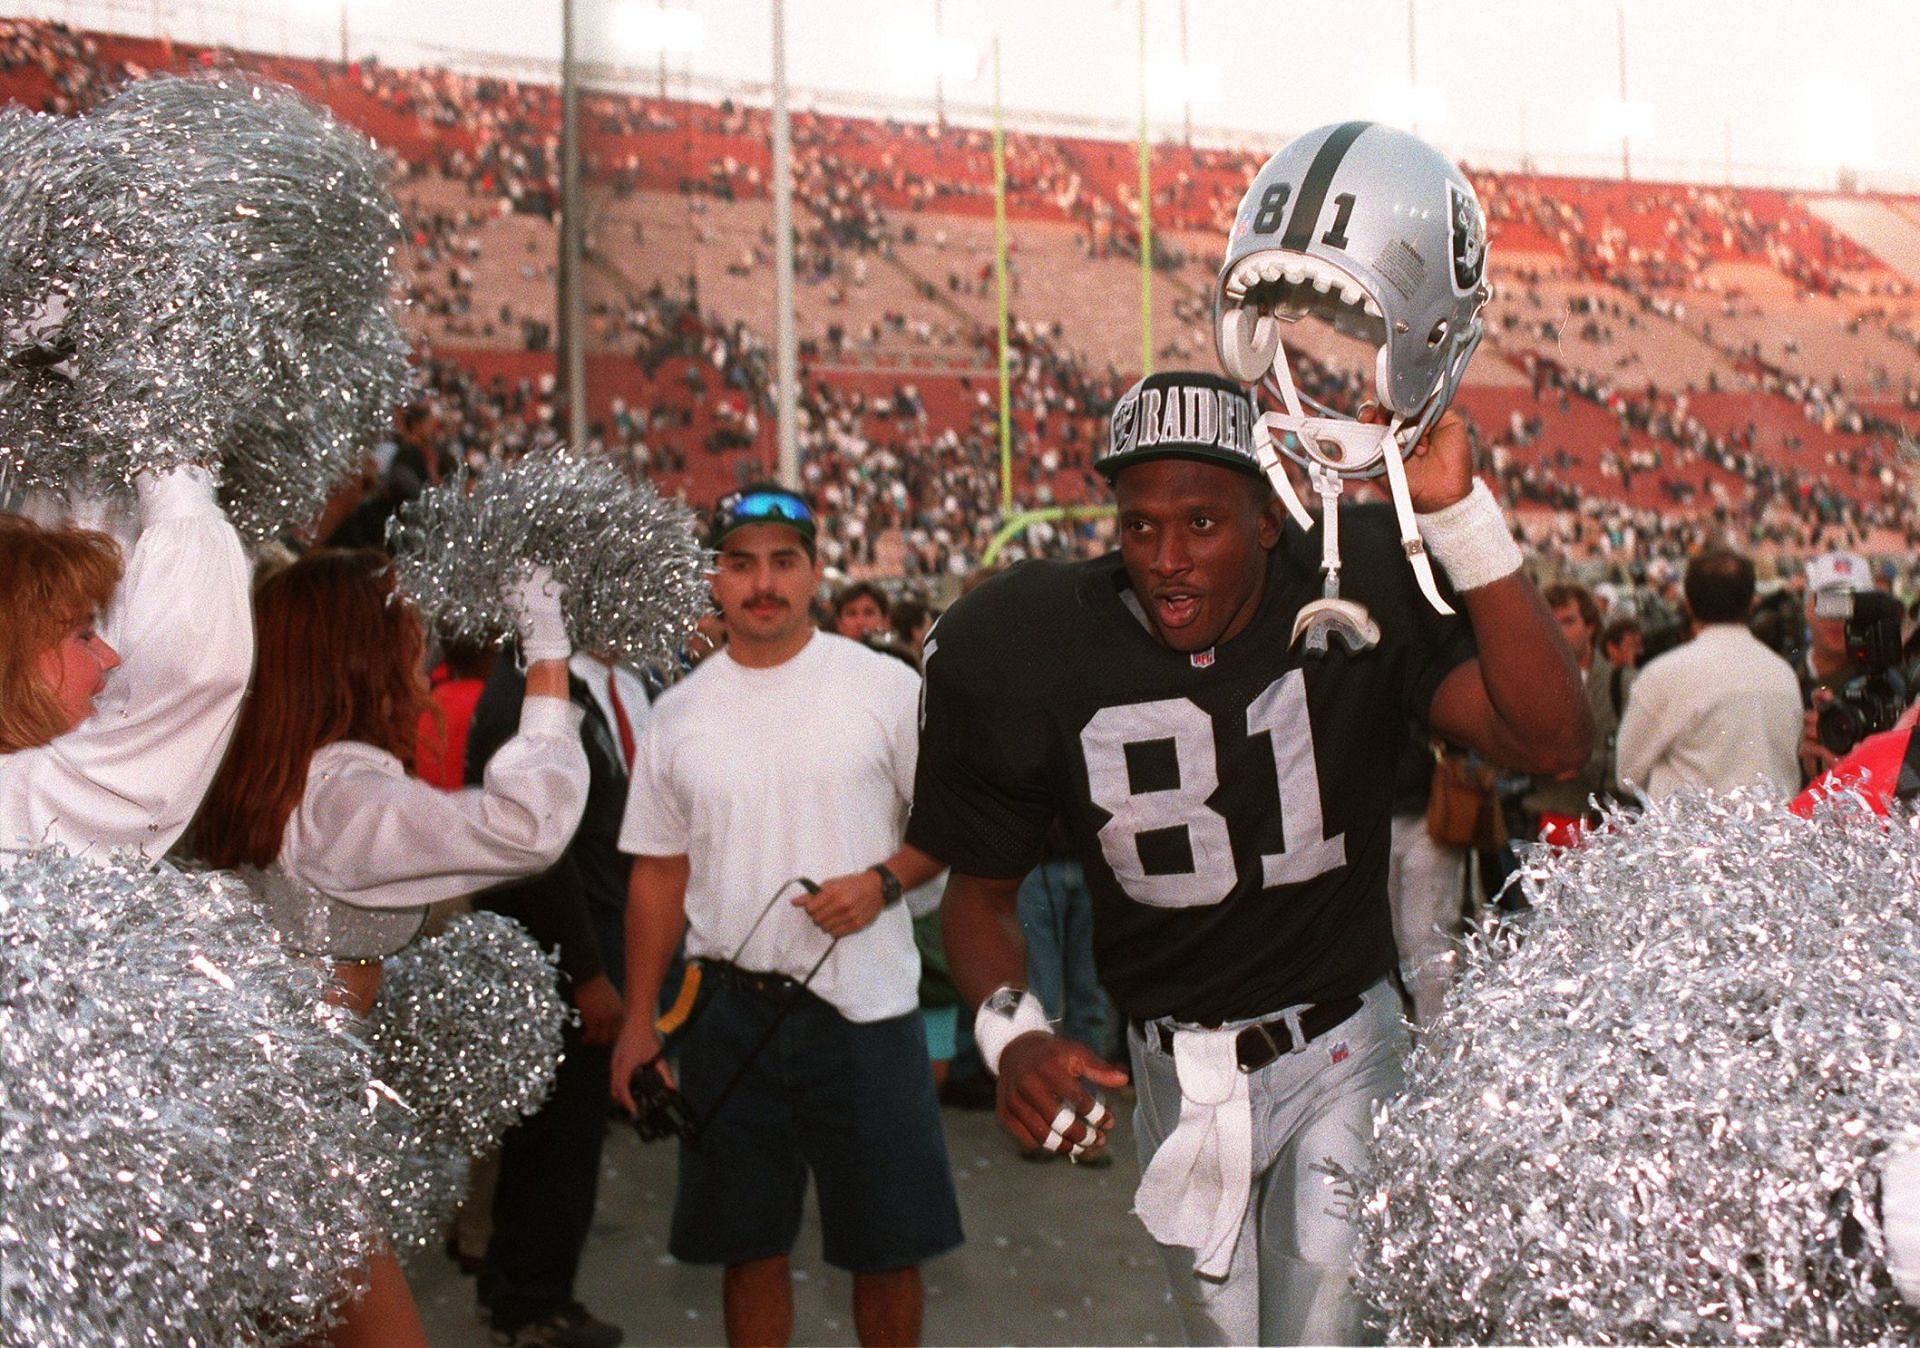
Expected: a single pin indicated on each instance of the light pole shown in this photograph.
(786, 365)
(1186, 83)
(939, 68)
(572, 220)
(1413, 74)
(1626, 163)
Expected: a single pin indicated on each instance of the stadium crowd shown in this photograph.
(868, 185)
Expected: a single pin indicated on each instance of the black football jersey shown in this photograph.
(1232, 809)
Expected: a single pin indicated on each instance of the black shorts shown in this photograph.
(853, 1103)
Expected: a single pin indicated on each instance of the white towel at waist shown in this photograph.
(1195, 1190)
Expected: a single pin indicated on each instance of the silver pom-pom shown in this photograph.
(1654, 1114)
(466, 1030)
(182, 1126)
(312, 923)
(198, 270)
(633, 567)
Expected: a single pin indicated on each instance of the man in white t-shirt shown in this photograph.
(789, 754)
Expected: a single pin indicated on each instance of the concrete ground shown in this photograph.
(1052, 1257)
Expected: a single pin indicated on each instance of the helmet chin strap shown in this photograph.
(1410, 540)
(1326, 478)
(1264, 447)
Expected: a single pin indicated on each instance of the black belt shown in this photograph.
(775, 987)
(1257, 1045)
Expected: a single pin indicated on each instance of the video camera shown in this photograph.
(1872, 700)
(661, 1111)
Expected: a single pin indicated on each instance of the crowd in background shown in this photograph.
(911, 481)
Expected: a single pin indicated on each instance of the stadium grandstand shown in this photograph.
(1664, 362)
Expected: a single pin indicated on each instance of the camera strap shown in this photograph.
(779, 1016)
(785, 885)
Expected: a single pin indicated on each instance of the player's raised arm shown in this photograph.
(1520, 703)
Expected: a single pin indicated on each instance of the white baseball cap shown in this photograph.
(1839, 571)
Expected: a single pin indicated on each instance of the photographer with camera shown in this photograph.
(1857, 676)
(1828, 665)
(1867, 721)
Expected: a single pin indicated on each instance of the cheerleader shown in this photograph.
(316, 786)
(117, 697)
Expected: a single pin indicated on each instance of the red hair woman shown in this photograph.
(118, 693)
(315, 785)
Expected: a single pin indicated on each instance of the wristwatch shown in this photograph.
(890, 890)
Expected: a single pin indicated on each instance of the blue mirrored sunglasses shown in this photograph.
(764, 505)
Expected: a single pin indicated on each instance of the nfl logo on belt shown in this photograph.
(1202, 659)
(1338, 1053)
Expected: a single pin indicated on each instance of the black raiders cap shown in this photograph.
(1181, 414)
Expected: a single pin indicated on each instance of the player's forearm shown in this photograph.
(1542, 722)
(980, 926)
(656, 920)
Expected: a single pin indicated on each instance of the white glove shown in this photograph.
(533, 598)
(174, 493)
(1900, 1218)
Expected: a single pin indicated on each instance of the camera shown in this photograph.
(662, 1112)
(1872, 700)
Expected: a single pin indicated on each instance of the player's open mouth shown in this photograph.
(1177, 610)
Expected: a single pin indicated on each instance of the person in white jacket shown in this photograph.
(317, 785)
(1722, 711)
(118, 693)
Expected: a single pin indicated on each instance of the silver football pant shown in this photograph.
(1288, 1281)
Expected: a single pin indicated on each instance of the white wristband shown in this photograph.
(1471, 541)
(994, 1028)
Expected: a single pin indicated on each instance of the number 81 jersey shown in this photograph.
(1232, 809)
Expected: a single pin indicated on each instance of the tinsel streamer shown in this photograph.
(632, 563)
(182, 1129)
(197, 270)
(466, 1029)
(1653, 1114)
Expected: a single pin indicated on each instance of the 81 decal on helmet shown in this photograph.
(1377, 234)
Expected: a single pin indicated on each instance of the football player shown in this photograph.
(1228, 788)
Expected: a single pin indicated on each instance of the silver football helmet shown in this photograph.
(1374, 232)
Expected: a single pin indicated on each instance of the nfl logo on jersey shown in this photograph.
(1338, 1053)
(1201, 659)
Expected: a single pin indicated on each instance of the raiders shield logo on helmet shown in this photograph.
(1121, 436)
(1469, 239)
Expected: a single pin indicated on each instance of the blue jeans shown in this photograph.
(1056, 914)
